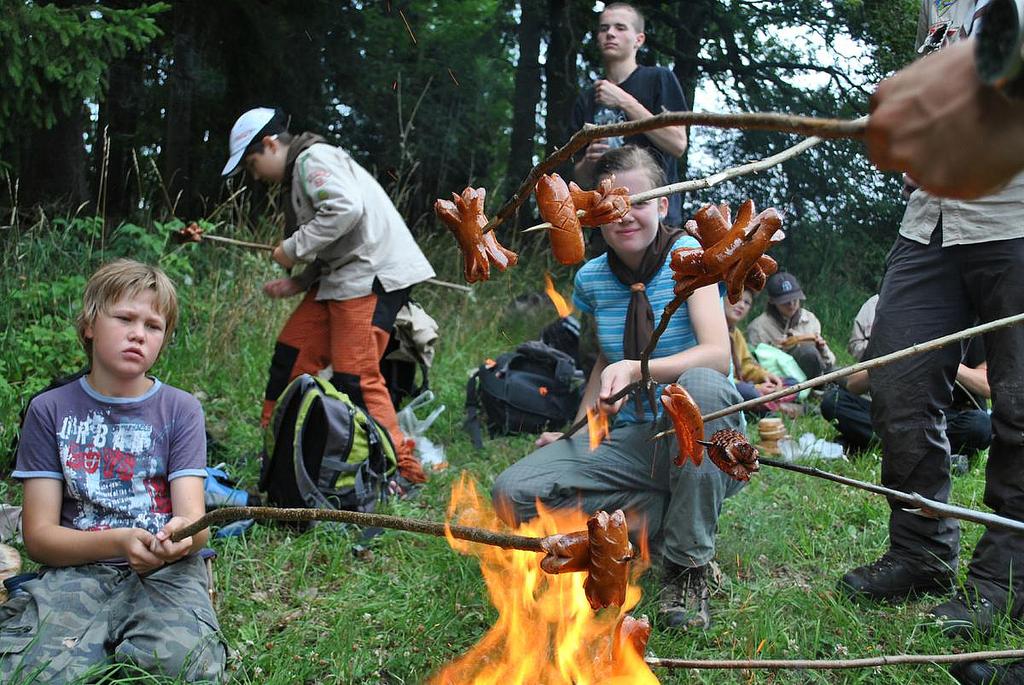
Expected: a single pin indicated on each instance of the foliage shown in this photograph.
(54, 58)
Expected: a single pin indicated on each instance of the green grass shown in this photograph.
(302, 608)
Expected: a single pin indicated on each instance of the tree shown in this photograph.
(55, 58)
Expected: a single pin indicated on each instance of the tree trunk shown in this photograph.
(525, 99)
(53, 162)
(118, 129)
(560, 75)
(177, 151)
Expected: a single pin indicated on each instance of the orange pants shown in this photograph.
(351, 336)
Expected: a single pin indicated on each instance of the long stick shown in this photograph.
(239, 243)
(927, 346)
(713, 179)
(833, 664)
(928, 507)
(479, 535)
(270, 248)
(806, 126)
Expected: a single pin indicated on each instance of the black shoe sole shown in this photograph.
(931, 588)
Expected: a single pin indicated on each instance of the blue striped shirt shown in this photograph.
(599, 293)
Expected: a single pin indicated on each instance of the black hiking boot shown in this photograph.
(965, 615)
(894, 579)
(987, 673)
(684, 601)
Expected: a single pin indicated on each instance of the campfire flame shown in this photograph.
(561, 305)
(597, 425)
(546, 631)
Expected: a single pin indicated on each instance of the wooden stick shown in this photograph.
(448, 284)
(239, 243)
(478, 535)
(807, 126)
(834, 664)
(928, 508)
(927, 346)
(270, 248)
(712, 180)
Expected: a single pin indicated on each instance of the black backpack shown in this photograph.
(533, 389)
(324, 452)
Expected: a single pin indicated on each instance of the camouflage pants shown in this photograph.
(70, 620)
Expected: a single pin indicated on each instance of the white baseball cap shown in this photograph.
(250, 127)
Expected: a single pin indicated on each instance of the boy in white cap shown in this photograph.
(361, 261)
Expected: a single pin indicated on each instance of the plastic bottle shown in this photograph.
(609, 115)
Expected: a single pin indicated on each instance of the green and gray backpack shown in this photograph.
(322, 451)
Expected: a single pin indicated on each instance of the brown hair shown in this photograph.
(126, 278)
(639, 24)
(627, 158)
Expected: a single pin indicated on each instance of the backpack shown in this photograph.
(533, 389)
(323, 451)
(410, 348)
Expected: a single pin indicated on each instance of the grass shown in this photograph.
(304, 608)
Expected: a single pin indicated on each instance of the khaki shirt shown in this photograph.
(999, 216)
(862, 324)
(349, 223)
(767, 329)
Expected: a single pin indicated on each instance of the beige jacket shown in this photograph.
(348, 223)
(860, 335)
(768, 329)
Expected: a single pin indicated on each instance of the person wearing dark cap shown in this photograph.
(786, 324)
(361, 261)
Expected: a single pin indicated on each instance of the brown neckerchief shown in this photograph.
(639, 316)
(299, 144)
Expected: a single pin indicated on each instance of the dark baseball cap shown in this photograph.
(783, 287)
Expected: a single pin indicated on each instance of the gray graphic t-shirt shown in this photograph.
(115, 455)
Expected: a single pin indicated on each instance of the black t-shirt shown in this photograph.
(657, 89)
(974, 355)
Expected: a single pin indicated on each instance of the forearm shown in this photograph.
(55, 545)
(704, 355)
(975, 380)
(857, 383)
(670, 139)
(584, 172)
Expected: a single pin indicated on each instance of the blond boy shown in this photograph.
(111, 465)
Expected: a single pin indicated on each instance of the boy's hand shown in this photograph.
(169, 551)
(614, 378)
(281, 287)
(547, 437)
(611, 95)
(136, 547)
(281, 258)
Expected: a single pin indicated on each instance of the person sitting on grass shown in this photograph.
(788, 325)
(968, 424)
(678, 507)
(752, 379)
(112, 464)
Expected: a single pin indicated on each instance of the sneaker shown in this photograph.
(965, 615)
(892, 578)
(684, 601)
(987, 673)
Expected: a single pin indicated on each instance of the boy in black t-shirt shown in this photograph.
(629, 92)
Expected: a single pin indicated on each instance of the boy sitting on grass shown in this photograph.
(112, 464)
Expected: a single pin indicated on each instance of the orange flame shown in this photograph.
(597, 425)
(561, 305)
(546, 631)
